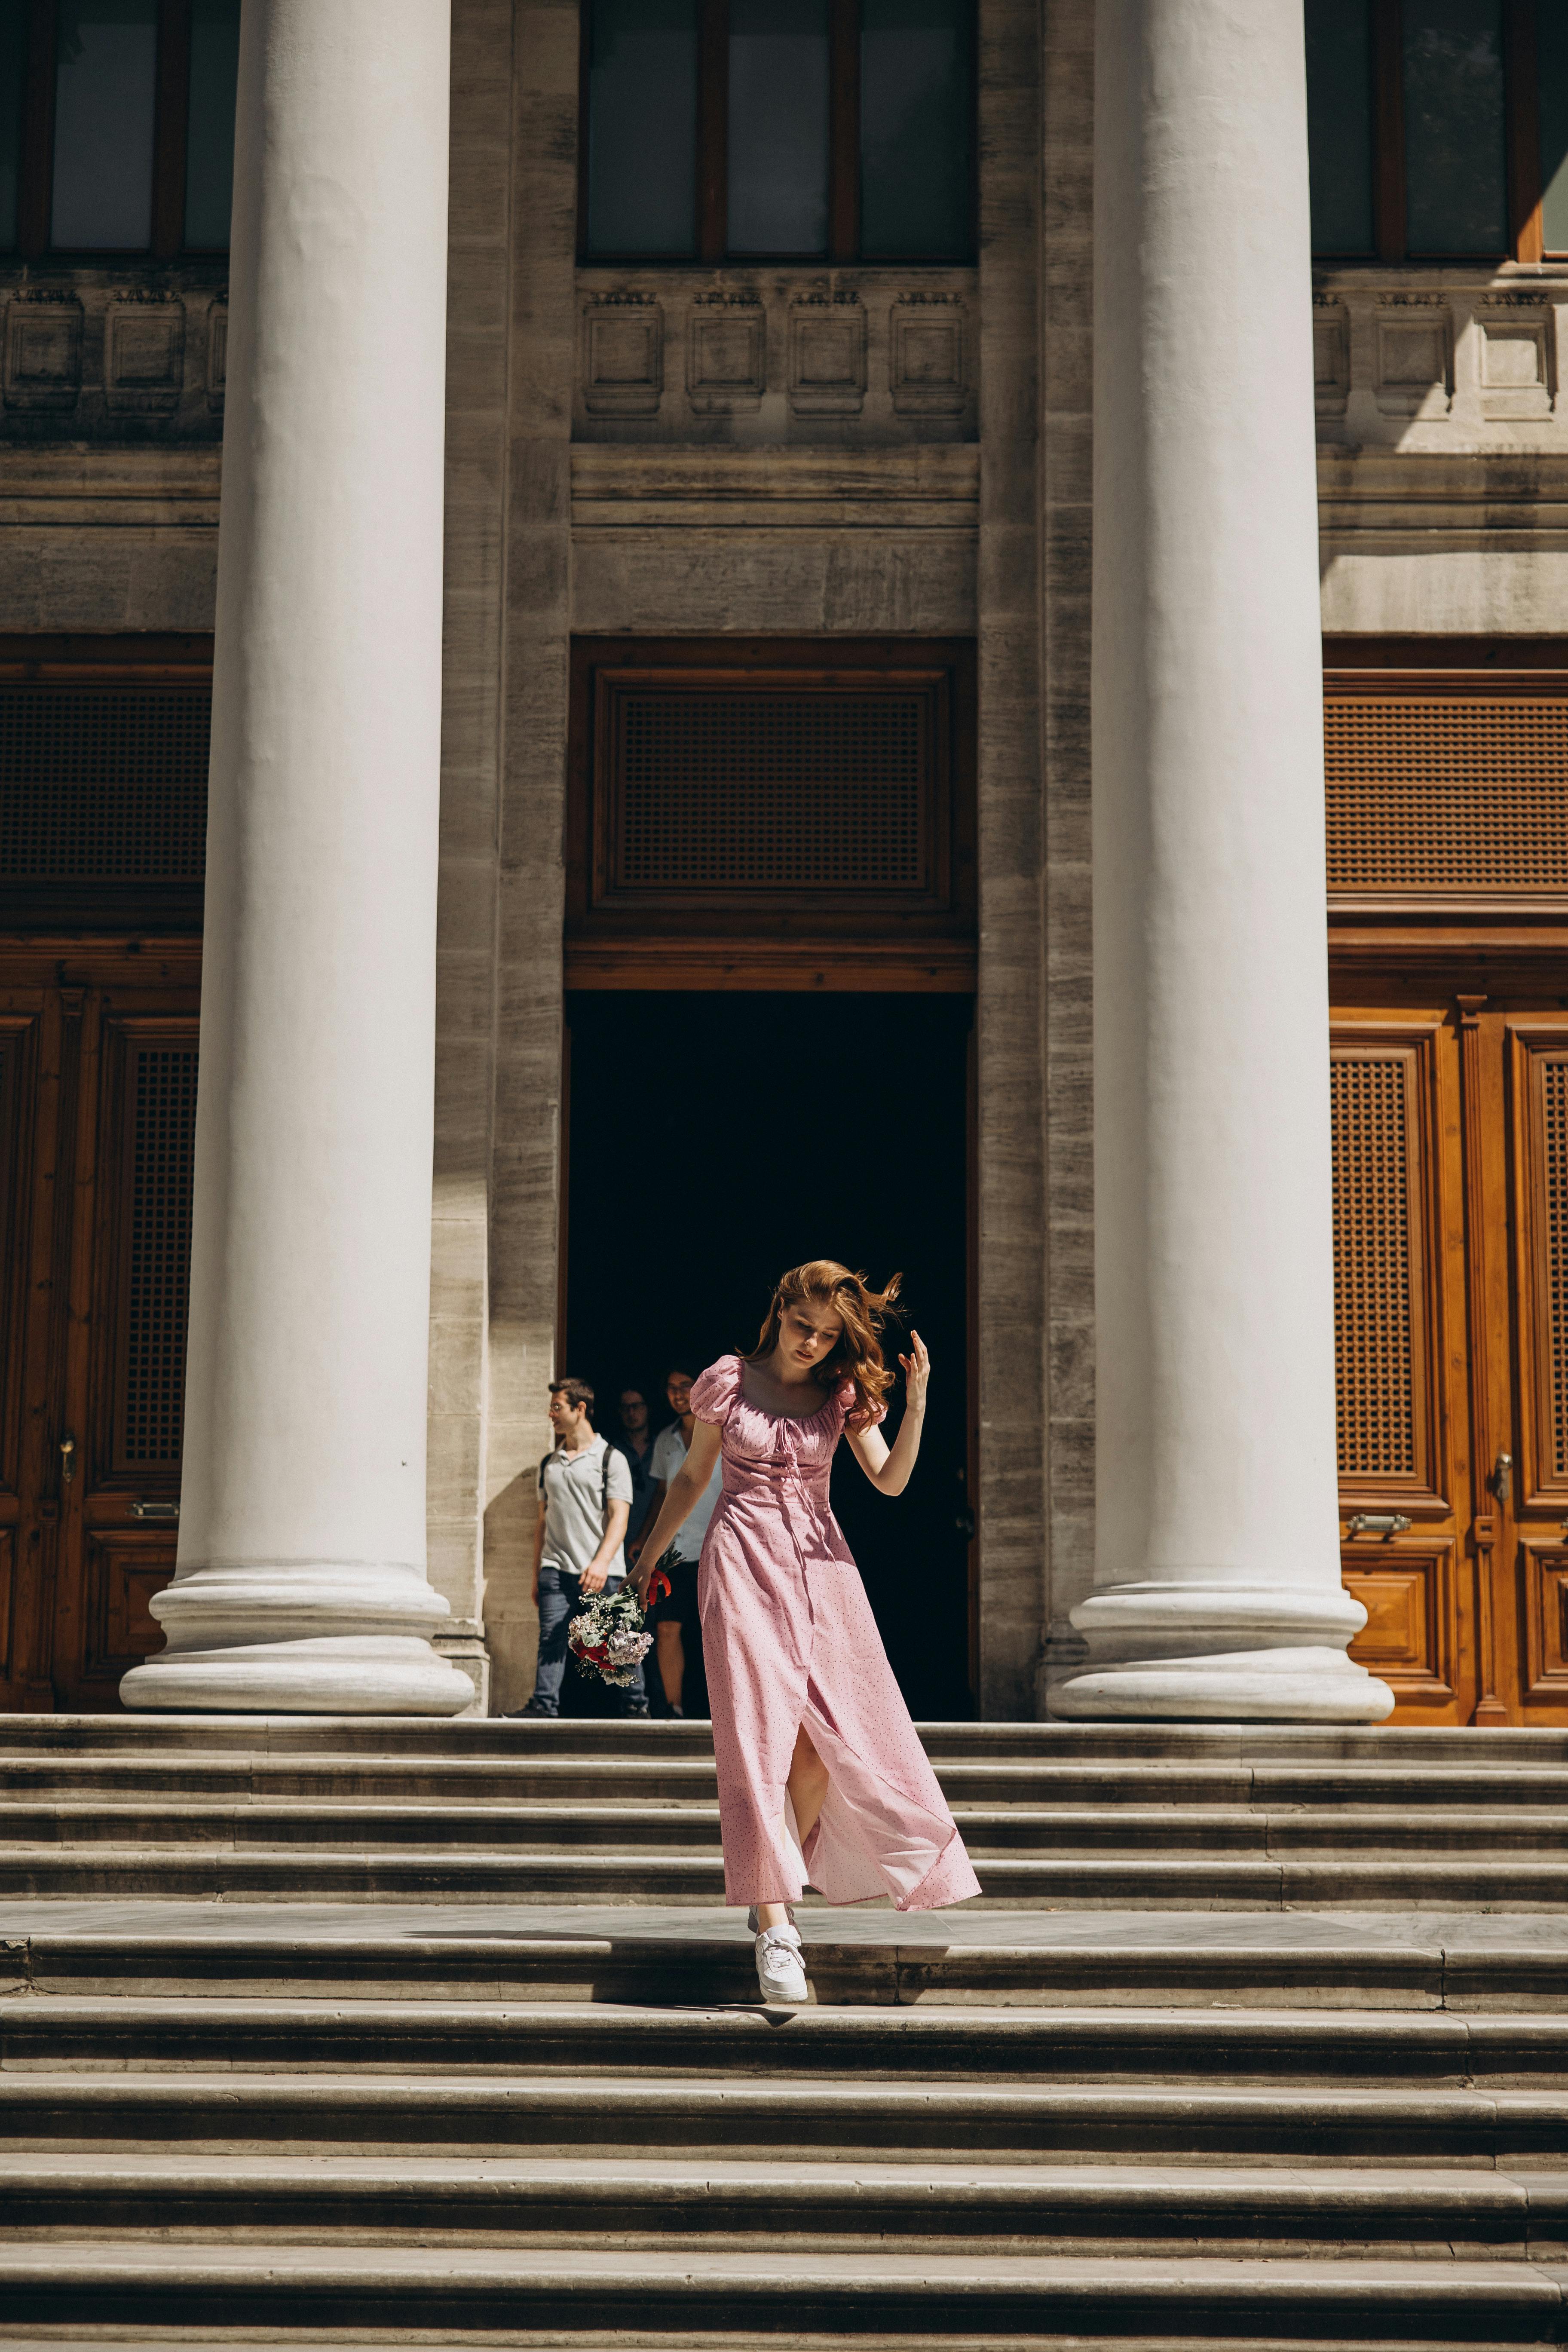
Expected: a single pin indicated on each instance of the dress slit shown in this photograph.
(790, 1644)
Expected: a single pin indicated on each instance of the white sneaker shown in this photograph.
(780, 1973)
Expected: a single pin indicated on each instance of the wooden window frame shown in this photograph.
(35, 175)
(712, 151)
(777, 946)
(1522, 127)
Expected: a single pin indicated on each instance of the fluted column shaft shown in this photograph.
(301, 1578)
(1217, 1587)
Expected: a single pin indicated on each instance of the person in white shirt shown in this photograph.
(584, 1498)
(677, 1610)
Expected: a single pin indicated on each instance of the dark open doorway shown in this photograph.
(716, 1140)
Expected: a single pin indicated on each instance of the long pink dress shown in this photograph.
(789, 1639)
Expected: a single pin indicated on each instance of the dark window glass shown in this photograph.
(12, 80)
(1552, 63)
(915, 107)
(642, 128)
(778, 126)
(1455, 145)
(105, 88)
(1339, 124)
(209, 141)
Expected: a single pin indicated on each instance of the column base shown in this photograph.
(1218, 1653)
(300, 1640)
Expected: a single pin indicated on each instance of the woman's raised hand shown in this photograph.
(916, 1369)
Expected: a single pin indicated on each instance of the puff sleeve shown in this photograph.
(713, 1392)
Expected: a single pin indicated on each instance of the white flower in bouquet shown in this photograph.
(606, 1637)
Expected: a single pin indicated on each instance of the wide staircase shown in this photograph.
(380, 2032)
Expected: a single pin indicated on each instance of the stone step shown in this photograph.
(437, 1874)
(1193, 2046)
(848, 2206)
(1284, 2123)
(641, 1777)
(585, 2296)
(261, 1959)
(664, 1827)
(383, 1737)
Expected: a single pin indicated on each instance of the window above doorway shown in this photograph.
(1438, 129)
(117, 126)
(771, 812)
(838, 130)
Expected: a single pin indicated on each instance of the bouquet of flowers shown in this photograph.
(607, 1636)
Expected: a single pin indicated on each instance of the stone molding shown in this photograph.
(95, 354)
(862, 357)
(1440, 361)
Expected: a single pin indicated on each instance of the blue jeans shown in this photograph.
(560, 1595)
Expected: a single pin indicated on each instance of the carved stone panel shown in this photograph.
(926, 355)
(726, 354)
(43, 349)
(623, 357)
(1415, 356)
(144, 354)
(828, 355)
(1516, 356)
(1331, 357)
(217, 352)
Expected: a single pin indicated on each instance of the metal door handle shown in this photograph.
(154, 1510)
(1377, 1523)
(1502, 1477)
(67, 1460)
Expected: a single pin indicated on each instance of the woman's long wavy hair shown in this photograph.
(864, 1312)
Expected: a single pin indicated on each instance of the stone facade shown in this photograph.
(844, 451)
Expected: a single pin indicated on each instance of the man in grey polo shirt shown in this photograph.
(584, 1497)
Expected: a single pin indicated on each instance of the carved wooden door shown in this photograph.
(36, 1039)
(98, 1087)
(1451, 1267)
(1530, 1464)
(1400, 1295)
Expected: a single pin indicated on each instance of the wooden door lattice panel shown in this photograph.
(1374, 1337)
(1555, 1188)
(1445, 793)
(745, 791)
(158, 1257)
(1538, 1110)
(772, 813)
(103, 784)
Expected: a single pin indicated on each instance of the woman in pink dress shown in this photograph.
(821, 1776)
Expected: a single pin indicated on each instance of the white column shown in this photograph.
(301, 1579)
(1218, 1586)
